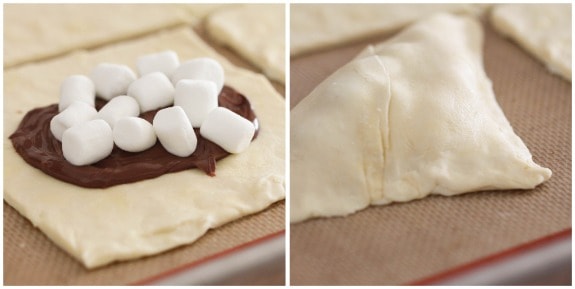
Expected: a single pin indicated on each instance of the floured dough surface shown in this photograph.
(412, 116)
(257, 32)
(99, 226)
(317, 26)
(544, 30)
(37, 31)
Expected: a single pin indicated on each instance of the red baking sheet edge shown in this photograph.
(185, 267)
(438, 278)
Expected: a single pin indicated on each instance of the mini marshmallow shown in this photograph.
(175, 132)
(119, 107)
(112, 80)
(152, 91)
(228, 130)
(88, 142)
(165, 62)
(201, 69)
(197, 98)
(76, 88)
(134, 134)
(76, 113)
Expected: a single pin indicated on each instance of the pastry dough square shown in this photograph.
(99, 226)
(544, 30)
(257, 32)
(38, 31)
(318, 26)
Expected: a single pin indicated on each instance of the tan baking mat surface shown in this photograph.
(401, 243)
(30, 258)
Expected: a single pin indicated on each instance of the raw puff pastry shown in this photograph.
(317, 26)
(412, 116)
(99, 226)
(544, 30)
(256, 32)
(33, 32)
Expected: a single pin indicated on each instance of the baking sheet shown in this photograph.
(243, 265)
(545, 261)
(405, 242)
(30, 258)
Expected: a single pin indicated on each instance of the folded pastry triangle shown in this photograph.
(413, 116)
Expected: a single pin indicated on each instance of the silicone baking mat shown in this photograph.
(406, 242)
(30, 258)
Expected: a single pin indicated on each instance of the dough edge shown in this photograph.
(45, 197)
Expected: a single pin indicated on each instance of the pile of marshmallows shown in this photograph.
(192, 87)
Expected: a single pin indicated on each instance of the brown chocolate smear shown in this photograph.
(39, 148)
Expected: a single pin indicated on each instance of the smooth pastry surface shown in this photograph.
(544, 30)
(317, 26)
(412, 116)
(256, 32)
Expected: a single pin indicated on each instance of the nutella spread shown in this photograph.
(39, 148)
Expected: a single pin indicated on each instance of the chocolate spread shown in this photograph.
(39, 148)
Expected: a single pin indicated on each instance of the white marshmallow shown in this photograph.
(197, 98)
(134, 134)
(88, 142)
(175, 132)
(76, 88)
(202, 69)
(112, 80)
(152, 91)
(76, 113)
(119, 107)
(165, 62)
(228, 130)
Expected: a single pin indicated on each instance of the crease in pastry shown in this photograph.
(316, 120)
(446, 133)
